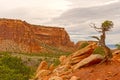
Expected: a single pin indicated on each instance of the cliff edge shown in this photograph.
(20, 36)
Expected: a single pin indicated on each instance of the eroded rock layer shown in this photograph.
(20, 36)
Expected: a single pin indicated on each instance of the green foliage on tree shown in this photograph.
(12, 68)
(107, 25)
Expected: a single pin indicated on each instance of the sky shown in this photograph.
(74, 15)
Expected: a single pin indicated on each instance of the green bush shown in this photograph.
(99, 50)
(10, 74)
(118, 46)
(12, 68)
(83, 45)
(56, 62)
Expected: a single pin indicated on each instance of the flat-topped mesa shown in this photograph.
(21, 36)
(52, 36)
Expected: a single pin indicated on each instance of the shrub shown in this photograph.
(12, 68)
(56, 62)
(99, 50)
(83, 45)
(10, 74)
(118, 46)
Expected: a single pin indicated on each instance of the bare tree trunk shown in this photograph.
(108, 53)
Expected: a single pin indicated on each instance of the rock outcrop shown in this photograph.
(20, 36)
(76, 60)
(80, 44)
(84, 67)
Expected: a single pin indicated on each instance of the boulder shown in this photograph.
(91, 59)
(82, 53)
(87, 49)
(43, 66)
(61, 69)
(51, 67)
(42, 73)
(62, 59)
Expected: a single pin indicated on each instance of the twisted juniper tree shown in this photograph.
(105, 26)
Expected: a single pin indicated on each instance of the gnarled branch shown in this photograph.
(95, 27)
(95, 37)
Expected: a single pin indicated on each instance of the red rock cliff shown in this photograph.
(19, 36)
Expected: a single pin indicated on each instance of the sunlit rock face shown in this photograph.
(20, 36)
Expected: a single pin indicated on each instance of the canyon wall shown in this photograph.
(20, 36)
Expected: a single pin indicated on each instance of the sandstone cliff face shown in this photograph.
(19, 36)
(52, 35)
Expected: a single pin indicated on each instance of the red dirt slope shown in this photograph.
(104, 71)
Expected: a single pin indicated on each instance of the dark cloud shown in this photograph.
(78, 19)
(84, 14)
